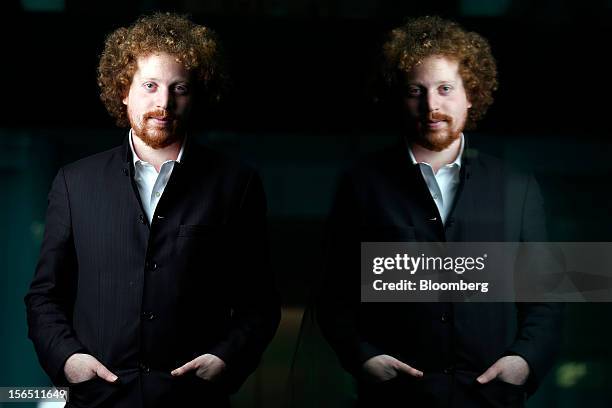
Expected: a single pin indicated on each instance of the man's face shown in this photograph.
(436, 102)
(159, 100)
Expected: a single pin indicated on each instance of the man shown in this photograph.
(152, 288)
(431, 187)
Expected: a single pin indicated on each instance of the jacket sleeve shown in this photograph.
(50, 298)
(255, 301)
(338, 301)
(539, 324)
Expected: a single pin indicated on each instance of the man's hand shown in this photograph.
(82, 367)
(208, 367)
(383, 368)
(511, 369)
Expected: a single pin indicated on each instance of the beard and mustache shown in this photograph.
(154, 135)
(435, 139)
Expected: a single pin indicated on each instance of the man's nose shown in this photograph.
(163, 99)
(432, 101)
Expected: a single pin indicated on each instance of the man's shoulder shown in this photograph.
(474, 156)
(95, 162)
(486, 164)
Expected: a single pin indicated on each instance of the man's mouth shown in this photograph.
(435, 124)
(160, 120)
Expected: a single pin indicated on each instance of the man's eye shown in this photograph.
(181, 89)
(446, 89)
(149, 86)
(413, 91)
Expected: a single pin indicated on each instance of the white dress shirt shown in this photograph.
(151, 185)
(443, 184)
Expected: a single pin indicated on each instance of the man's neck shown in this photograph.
(436, 159)
(156, 157)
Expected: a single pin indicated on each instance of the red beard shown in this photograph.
(437, 139)
(157, 136)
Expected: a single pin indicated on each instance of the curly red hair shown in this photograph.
(422, 37)
(195, 46)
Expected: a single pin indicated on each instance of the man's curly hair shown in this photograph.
(195, 46)
(423, 37)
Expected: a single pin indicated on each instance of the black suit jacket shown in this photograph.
(145, 298)
(384, 198)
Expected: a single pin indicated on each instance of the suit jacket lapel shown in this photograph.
(128, 170)
(466, 203)
(417, 201)
(193, 164)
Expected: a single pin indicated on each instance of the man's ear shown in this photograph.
(468, 97)
(126, 94)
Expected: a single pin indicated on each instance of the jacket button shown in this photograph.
(449, 370)
(150, 265)
(148, 315)
(141, 218)
(444, 318)
(144, 368)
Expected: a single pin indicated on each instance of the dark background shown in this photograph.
(300, 109)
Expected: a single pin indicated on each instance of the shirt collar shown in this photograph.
(137, 159)
(457, 161)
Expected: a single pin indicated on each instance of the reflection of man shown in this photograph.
(432, 188)
(151, 288)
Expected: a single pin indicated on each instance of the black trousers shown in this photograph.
(150, 390)
(458, 389)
